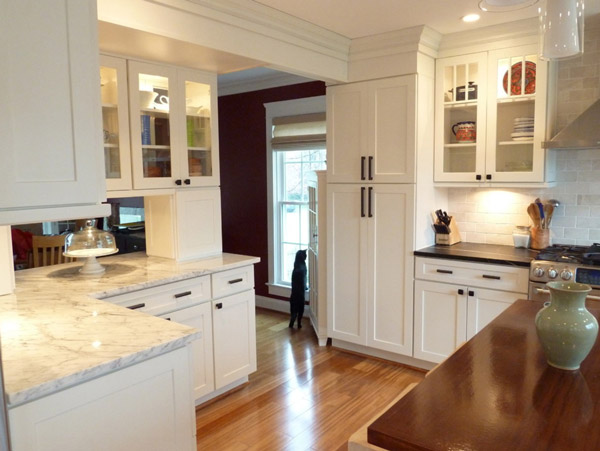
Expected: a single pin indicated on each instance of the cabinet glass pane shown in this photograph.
(461, 82)
(110, 121)
(515, 115)
(198, 115)
(155, 125)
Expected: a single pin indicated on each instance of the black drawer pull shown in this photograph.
(370, 168)
(461, 291)
(168, 319)
(231, 282)
(444, 271)
(362, 201)
(219, 305)
(471, 293)
(370, 201)
(487, 276)
(136, 306)
(180, 295)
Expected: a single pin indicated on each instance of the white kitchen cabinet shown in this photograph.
(173, 139)
(455, 299)
(234, 331)
(199, 317)
(50, 115)
(144, 406)
(221, 307)
(115, 123)
(370, 239)
(184, 225)
(371, 131)
(503, 94)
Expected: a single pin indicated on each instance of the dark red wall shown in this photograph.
(243, 158)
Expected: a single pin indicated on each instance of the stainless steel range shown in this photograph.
(565, 263)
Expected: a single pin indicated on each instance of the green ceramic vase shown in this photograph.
(566, 329)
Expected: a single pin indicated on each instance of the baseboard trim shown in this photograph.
(272, 304)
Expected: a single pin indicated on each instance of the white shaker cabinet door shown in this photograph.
(440, 319)
(485, 305)
(346, 263)
(234, 335)
(390, 264)
(201, 349)
(50, 117)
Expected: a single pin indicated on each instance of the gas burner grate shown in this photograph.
(566, 253)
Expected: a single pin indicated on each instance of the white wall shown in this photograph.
(489, 216)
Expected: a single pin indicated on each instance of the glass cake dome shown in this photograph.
(89, 243)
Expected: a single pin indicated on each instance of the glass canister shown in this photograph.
(521, 236)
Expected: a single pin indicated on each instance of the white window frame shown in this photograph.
(277, 109)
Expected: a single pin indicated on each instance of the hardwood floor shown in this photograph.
(303, 397)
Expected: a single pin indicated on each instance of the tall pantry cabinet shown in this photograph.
(371, 143)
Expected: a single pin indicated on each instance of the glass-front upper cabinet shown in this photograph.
(113, 89)
(460, 118)
(152, 131)
(517, 115)
(200, 159)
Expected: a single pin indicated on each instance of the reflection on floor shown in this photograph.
(303, 397)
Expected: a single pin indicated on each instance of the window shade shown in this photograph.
(304, 131)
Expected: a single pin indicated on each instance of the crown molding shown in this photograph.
(263, 82)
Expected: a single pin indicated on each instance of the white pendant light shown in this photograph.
(561, 29)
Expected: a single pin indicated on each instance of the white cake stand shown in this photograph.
(91, 265)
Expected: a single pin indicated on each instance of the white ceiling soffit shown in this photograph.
(360, 18)
(256, 79)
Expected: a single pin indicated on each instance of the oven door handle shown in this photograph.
(545, 291)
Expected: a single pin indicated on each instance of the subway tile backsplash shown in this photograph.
(489, 215)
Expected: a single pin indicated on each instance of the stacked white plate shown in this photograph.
(523, 129)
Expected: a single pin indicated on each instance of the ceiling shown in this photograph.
(359, 18)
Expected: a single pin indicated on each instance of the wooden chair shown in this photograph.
(48, 250)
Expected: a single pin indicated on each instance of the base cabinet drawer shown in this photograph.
(484, 275)
(232, 281)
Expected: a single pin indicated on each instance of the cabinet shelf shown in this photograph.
(110, 105)
(528, 98)
(461, 104)
(155, 147)
(454, 145)
(111, 146)
(155, 112)
(201, 149)
(515, 143)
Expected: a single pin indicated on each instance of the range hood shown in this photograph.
(582, 133)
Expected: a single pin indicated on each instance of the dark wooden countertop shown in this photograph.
(498, 393)
(483, 253)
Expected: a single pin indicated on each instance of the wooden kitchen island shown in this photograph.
(498, 393)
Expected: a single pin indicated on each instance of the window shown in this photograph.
(296, 147)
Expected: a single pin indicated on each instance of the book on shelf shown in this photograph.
(146, 127)
(162, 132)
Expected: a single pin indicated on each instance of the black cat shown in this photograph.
(298, 289)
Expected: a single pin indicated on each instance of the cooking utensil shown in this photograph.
(446, 218)
(548, 212)
(540, 207)
(534, 214)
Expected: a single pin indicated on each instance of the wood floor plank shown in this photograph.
(303, 397)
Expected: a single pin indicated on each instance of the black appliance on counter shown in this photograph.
(130, 241)
(566, 263)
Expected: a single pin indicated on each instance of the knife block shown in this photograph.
(448, 239)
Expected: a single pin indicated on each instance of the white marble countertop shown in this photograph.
(55, 334)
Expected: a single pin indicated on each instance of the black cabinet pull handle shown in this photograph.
(444, 271)
(136, 306)
(487, 276)
(219, 305)
(180, 295)
(362, 201)
(231, 282)
(362, 167)
(461, 291)
(370, 201)
(488, 176)
(478, 177)
(168, 319)
(178, 182)
(370, 168)
(471, 293)
(187, 181)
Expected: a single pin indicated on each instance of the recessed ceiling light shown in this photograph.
(471, 18)
(498, 6)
